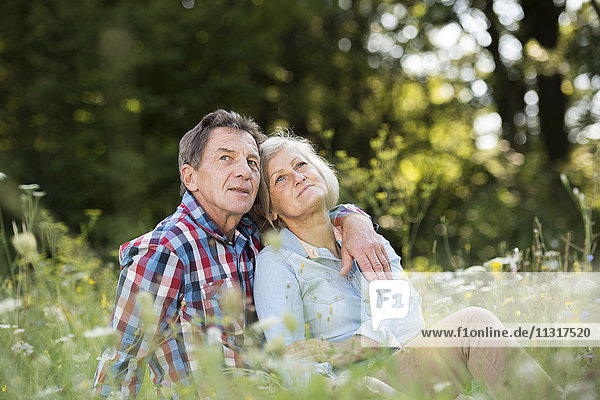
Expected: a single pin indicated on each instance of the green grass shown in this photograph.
(56, 296)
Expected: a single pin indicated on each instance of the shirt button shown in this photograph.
(349, 278)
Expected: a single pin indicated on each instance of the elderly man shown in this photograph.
(173, 278)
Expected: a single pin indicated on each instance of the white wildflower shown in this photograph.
(2, 176)
(18, 331)
(272, 238)
(109, 354)
(25, 244)
(63, 339)
(29, 187)
(265, 323)
(8, 326)
(10, 304)
(98, 332)
(438, 387)
(22, 347)
(49, 391)
(213, 335)
(81, 357)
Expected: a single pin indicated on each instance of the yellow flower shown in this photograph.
(78, 289)
(103, 302)
(4, 388)
(496, 266)
(468, 295)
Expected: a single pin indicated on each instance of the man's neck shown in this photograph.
(227, 224)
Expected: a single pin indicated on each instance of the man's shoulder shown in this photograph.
(169, 234)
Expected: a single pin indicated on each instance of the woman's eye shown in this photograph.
(301, 164)
(280, 178)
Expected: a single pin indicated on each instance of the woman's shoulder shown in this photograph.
(272, 255)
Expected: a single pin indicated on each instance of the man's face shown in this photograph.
(226, 182)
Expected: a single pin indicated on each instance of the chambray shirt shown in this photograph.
(304, 281)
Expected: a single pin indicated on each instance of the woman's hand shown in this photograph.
(354, 349)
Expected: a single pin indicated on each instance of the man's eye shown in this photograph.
(252, 163)
(225, 158)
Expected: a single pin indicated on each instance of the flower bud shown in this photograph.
(25, 244)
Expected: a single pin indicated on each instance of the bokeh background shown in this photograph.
(450, 121)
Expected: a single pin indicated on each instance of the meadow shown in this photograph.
(56, 299)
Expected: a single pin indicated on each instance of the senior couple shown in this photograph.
(316, 272)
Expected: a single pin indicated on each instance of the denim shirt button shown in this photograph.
(349, 277)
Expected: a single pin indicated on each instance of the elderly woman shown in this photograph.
(299, 277)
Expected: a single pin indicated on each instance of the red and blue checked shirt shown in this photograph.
(185, 265)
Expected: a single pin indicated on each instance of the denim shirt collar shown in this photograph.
(298, 246)
(246, 226)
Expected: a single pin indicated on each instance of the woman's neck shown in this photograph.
(316, 230)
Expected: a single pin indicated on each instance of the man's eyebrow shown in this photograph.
(225, 150)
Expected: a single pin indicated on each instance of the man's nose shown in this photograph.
(242, 170)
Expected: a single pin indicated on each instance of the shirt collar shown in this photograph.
(297, 245)
(246, 226)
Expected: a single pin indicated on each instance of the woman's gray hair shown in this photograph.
(271, 146)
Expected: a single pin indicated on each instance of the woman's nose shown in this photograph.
(298, 178)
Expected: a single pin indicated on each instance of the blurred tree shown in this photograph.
(433, 108)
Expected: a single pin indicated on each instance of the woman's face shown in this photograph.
(295, 186)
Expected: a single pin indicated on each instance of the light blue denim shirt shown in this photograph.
(325, 304)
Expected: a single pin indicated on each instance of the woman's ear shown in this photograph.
(273, 216)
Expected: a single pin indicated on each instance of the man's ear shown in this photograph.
(188, 177)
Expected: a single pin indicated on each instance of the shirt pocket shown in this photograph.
(320, 289)
(208, 300)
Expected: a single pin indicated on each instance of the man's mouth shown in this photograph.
(240, 190)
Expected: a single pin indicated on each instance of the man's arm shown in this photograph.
(145, 303)
(360, 242)
(396, 331)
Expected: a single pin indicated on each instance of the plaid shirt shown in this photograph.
(185, 264)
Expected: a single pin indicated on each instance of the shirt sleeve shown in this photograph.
(336, 214)
(278, 302)
(395, 332)
(145, 304)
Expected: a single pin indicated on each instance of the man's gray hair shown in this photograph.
(271, 146)
(193, 143)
